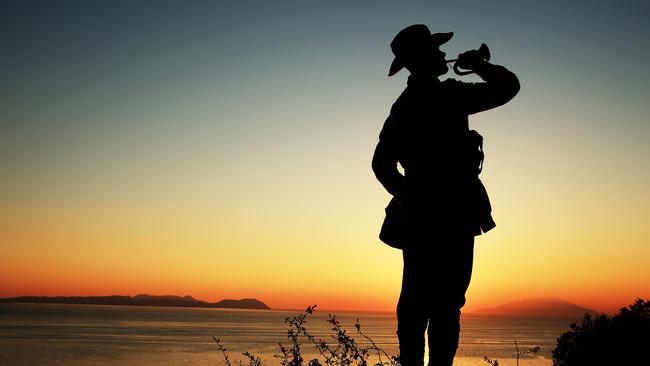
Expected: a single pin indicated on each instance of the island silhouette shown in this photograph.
(536, 307)
(547, 307)
(140, 300)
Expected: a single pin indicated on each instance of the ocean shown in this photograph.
(49, 334)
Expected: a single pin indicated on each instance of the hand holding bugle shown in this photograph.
(467, 59)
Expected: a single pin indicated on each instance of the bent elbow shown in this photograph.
(515, 86)
(382, 172)
(374, 164)
(379, 158)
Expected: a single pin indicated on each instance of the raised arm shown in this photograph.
(500, 86)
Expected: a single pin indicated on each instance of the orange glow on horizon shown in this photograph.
(110, 253)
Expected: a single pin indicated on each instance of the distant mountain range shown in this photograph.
(542, 307)
(140, 300)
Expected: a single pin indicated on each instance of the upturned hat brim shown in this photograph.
(438, 40)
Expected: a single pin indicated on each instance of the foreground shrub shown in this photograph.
(341, 349)
(620, 340)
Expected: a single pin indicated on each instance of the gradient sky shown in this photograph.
(222, 149)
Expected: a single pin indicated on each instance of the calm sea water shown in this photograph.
(47, 334)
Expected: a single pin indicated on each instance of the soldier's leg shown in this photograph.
(411, 310)
(443, 335)
(455, 270)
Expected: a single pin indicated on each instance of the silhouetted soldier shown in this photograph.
(427, 132)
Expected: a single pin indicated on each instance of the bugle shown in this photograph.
(484, 53)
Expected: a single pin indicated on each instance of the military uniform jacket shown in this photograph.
(427, 133)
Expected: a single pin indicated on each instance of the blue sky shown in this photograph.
(241, 107)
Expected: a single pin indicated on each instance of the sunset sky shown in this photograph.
(221, 149)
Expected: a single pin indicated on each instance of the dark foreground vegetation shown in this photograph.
(622, 339)
(340, 350)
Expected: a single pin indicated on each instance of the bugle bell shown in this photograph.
(484, 53)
